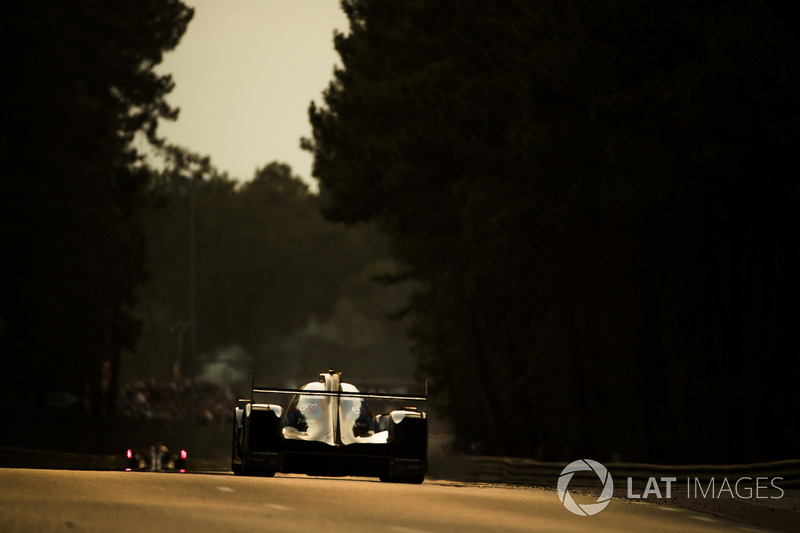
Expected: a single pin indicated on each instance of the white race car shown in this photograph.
(326, 428)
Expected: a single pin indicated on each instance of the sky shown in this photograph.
(245, 74)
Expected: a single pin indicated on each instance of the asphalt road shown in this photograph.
(70, 500)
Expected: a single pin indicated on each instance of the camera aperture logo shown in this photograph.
(587, 509)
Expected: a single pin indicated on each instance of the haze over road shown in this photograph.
(65, 500)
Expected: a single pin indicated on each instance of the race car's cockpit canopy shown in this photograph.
(319, 417)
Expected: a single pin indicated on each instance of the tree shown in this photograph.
(80, 87)
(598, 203)
(279, 289)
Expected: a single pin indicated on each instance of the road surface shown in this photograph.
(70, 500)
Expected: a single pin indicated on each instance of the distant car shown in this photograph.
(326, 428)
(156, 458)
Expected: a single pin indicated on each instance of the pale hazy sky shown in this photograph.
(245, 73)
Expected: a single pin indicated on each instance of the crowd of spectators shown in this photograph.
(179, 400)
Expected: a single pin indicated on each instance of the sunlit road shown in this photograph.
(64, 500)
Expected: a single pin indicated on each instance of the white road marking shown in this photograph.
(704, 518)
(225, 489)
(277, 506)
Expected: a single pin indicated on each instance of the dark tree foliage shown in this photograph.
(600, 200)
(279, 289)
(78, 87)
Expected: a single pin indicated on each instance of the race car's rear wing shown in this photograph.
(274, 390)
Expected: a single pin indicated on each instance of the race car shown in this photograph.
(156, 458)
(327, 429)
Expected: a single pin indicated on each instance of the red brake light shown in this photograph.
(184, 455)
(129, 454)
